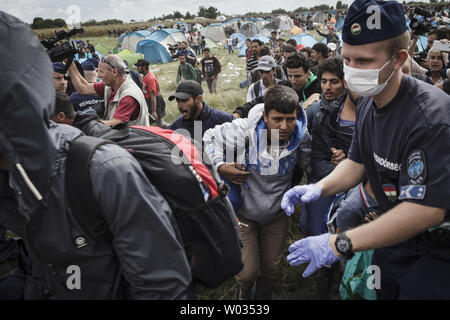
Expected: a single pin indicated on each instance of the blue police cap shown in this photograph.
(59, 67)
(93, 61)
(370, 21)
(88, 66)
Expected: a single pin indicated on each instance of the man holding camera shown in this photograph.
(124, 100)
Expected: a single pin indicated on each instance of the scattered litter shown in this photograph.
(227, 80)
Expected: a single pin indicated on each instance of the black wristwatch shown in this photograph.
(344, 245)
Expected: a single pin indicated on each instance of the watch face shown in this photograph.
(342, 245)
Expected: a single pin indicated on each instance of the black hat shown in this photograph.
(142, 62)
(187, 89)
(370, 21)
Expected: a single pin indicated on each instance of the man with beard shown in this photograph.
(195, 113)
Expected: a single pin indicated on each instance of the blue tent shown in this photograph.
(123, 35)
(131, 40)
(241, 40)
(305, 39)
(244, 47)
(156, 26)
(156, 46)
(339, 25)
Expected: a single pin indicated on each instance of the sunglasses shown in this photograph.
(103, 60)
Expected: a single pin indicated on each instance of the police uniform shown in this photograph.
(405, 149)
(84, 103)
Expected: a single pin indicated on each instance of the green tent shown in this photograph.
(102, 49)
(130, 57)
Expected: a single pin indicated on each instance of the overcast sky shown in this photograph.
(127, 10)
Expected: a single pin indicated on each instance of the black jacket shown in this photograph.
(145, 260)
(326, 133)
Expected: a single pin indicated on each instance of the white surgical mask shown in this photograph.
(364, 82)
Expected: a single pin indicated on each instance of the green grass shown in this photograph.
(292, 286)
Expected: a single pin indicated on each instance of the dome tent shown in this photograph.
(284, 23)
(248, 29)
(215, 31)
(130, 57)
(233, 23)
(156, 46)
(260, 22)
(241, 40)
(131, 40)
(210, 43)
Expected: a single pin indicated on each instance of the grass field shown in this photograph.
(292, 285)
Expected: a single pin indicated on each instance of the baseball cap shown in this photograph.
(59, 67)
(142, 62)
(332, 46)
(266, 63)
(370, 21)
(187, 89)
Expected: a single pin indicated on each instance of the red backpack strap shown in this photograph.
(189, 151)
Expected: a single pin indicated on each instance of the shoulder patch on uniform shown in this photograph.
(412, 192)
(417, 167)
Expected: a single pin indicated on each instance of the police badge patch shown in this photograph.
(416, 165)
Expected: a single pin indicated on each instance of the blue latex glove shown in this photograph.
(299, 195)
(315, 250)
(243, 84)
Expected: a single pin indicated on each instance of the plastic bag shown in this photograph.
(354, 282)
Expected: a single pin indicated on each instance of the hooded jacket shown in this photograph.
(271, 172)
(312, 86)
(145, 260)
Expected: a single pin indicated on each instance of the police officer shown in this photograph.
(401, 143)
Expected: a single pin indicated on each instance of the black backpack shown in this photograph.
(209, 228)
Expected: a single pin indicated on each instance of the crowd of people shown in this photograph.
(365, 123)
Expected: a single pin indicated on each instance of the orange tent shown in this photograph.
(296, 30)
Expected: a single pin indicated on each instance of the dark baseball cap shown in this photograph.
(142, 62)
(187, 89)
